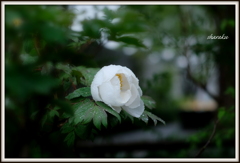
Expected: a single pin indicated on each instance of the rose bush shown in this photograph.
(118, 87)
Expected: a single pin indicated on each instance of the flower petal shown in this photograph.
(135, 103)
(117, 86)
(107, 94)
(97, 81)
(112, 96)
(134, 94)
(117, 109)
(110, 71)
(139, 91)
(136, 112)
(121, 95)
(95, 93)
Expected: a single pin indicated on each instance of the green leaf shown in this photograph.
(100, 117)
(230, 91)
(64, 67)
(33, 115)
(93, 133)
(131, 41)
(108, 109)
(125, 115)
(85, 75)
(91, 28)
(70, 138)
(66, 84)
(113, 121)
(52, 113)
(144, 117)
(154, 117)
(85, 92)
(66, 128)
(82, 131)
(65, 107)
(149, 102)
(44, 119)
(109, 14)
(77, 74)
(80, 110)
(221, 112)
(88, 115)
(219, 143)
(86, 110)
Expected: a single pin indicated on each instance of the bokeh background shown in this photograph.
(191, 77)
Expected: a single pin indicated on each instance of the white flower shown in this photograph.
(118, 87)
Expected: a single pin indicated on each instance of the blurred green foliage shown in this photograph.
(49, 68)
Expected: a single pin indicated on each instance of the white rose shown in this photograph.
(118, 87)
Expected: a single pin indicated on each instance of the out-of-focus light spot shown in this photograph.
(166, 40)
(116, 20)
(148, 42)
(167, 54)
(154, 58)
(17, 22)
(181, 62)
(192, 40)
(88, 12)
(112, 45)
(193, 60)
(129, 50)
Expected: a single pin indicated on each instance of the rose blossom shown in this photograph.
(118, 87)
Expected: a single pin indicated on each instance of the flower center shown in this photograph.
(120, 79)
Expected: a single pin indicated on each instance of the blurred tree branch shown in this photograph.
(209, 140)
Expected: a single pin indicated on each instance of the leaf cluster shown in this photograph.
(49, 70)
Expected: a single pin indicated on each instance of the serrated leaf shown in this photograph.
(45, 117)
(70, 138)
(82, 131)
(108, 109)
(91, 28)
(88, 115)
(126, 115)
(80, 110)
(66, 68)
(144, 117)
(77, 74)
(87, 74)
(71, 120)
(34, 114)
(66, 84)
(86, 111)
(149, 102)
(56, 108)
(66, 107)
(93, 132)
(112, 121)
(85, 92)
(100, 117)
(52, 113)
(66, 128)
(154, 117)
